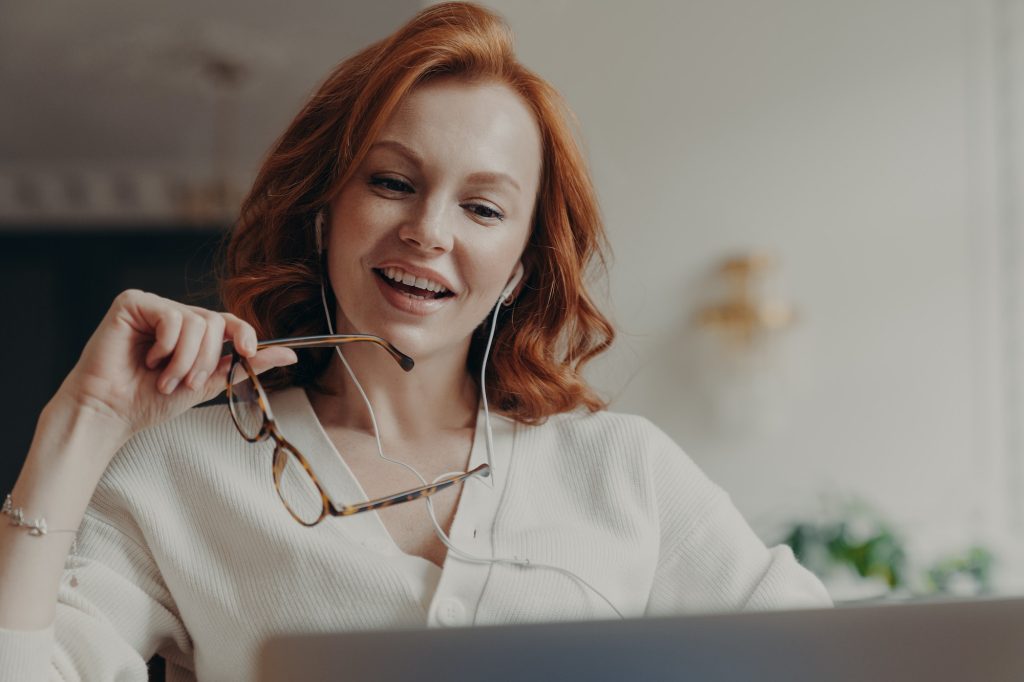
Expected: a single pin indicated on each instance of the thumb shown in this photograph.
(263, 360)
(268, 358)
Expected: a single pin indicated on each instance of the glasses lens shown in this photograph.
(296, 487)
(245, 403)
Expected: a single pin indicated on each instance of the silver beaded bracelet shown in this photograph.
(38, 528)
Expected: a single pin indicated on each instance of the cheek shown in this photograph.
(492, 269)
(360, 223)
(350, 221)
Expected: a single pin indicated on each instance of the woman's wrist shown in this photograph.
(69, 453)
(75, 440)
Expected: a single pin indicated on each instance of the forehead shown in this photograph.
(472, 126)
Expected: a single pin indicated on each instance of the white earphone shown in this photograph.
(505, 298)
(506, 293)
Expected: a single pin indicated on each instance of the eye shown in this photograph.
(391, 184)
(484, 211)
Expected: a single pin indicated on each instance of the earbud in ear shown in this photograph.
(318, 229)
(510, 288)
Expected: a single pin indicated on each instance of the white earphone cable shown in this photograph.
(362, 393)
(488, 433)
(488, 440)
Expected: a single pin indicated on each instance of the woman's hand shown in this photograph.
(151, 359)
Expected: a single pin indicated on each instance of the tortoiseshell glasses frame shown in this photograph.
(283, 450)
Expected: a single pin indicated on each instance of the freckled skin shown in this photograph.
(449, 186)
(430, 213)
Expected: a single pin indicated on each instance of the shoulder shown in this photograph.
(206, 424)
(608, 440)
(614, 441)
(164, 451)
(604, 431)
(204, 439)
(177, 464)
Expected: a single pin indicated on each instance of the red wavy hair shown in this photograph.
(271, 271)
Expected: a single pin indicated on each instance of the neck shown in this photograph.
(438, 395)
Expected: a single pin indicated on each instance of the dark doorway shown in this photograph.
(57, 285)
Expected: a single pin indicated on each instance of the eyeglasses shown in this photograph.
(297, 486)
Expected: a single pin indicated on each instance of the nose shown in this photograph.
(428, 230)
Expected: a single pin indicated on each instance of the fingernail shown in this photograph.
(199, 379)
(170, 385)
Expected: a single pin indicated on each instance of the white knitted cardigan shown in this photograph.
(187, 551)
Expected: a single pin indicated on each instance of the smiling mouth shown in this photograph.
(411, 290)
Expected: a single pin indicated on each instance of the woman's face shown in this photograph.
(425, 235)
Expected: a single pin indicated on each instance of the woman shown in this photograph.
(430, 193)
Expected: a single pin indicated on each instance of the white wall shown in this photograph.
(855, 141)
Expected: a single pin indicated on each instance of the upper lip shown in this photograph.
(425, 273)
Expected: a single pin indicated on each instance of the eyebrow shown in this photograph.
(400, 148)
(481, 177)
(488, 178)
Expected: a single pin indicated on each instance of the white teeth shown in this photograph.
(399, 275)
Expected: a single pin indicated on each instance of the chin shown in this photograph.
(417, 340)
(422, 344)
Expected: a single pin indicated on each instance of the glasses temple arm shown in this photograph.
(408, 495)
(403, 360)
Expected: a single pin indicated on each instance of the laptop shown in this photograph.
(959, 640)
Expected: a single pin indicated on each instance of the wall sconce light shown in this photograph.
(740, 318)
(743, 364)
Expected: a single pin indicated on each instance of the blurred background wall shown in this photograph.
(871, 148)
(861, 159)
(128, 134)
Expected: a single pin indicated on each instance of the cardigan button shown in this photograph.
(451, 612)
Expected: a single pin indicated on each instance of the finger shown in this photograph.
(241, 333)
(261, 362)
(167, 329)
(209, 351)
(218, 379)
(193, 327)
(268, 358)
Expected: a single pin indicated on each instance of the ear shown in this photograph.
(508, 294)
